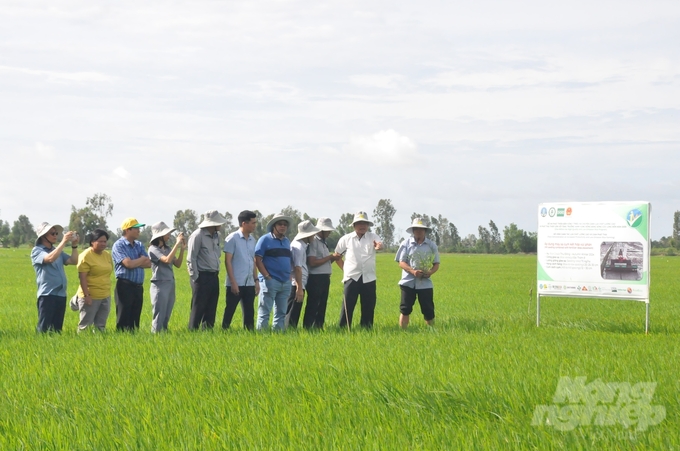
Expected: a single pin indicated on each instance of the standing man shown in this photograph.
(130, 259)
(242, 283)
(203, 263)
(272, 257)
(319, 261)
(359, 276)
(298, 249)
(418, 258)
(48, 262)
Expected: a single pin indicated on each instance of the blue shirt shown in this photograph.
(121, 250)
(50, 277)
(243, 258)
(415, 254)
(275, 254)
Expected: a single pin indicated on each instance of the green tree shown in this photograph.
(496, 244)
(228, 226)
(92, 216)
(455, 238)
(185, 221)
(484, 241)
(383, 215)
(676, 229)
(512, 238)
(22, 232)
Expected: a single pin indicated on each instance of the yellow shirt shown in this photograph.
(98, 268)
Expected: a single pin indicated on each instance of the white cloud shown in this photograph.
(60, 77)
(390, 81)
(121, 172)
(44, 151)
(385, 147)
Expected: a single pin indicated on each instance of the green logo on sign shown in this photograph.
(634, 218)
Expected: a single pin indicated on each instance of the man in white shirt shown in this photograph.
(358, 249)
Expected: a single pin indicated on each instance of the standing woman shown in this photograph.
(48, 260)
(94, 270)
(162, 276)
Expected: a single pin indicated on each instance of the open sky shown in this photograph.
(472, 110)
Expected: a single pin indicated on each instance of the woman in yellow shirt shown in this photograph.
(94, 270)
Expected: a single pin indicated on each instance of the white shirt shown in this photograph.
(359, 256)
(298, 250)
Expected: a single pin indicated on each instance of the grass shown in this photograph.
(472, 382)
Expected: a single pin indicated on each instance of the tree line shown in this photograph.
(99, 208)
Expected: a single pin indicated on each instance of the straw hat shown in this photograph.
(212, 218)
(305, 230)
(278, 217)
(325, 225)
(159, 230)
(361, 216)
(45, 227)
(418, 224)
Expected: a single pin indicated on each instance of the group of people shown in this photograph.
(275, 271)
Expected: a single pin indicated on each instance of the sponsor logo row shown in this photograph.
(581, 288)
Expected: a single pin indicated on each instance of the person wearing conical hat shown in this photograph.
(273, 260)
(48, 259)
(298, 249)
(203, 264)
(359, 270)
(418, 258)
(162, 288)
(319, 261)
(129, 259)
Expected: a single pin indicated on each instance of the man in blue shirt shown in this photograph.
(242, 283)
(130, 259)
(48, 262)
(272, 257)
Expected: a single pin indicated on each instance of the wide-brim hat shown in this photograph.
(325, 225)
(212, 218)
(305, 230)
(418, 224)
(45, 227)
(361, 216)
(159, 230)
(278, 217)
(131, 223)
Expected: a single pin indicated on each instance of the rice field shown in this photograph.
(474, 381)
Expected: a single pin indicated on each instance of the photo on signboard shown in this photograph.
(621, 260)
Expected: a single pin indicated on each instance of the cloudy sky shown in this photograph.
(473, 110)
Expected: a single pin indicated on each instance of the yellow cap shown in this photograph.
(131, 223)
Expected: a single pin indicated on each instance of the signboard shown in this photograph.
(594, 249)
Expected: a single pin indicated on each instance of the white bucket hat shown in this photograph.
(278, 217)
(305, 230)
(361, 216)
(45, 227)
(212, 218)
(325, 225)
(159, 230)
(418, 224)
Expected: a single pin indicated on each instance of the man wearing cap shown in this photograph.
(319, 260)
(418, 258)
(48, 261)
(359, 270)
(242, 283)
(203, 264)
(129, 259)
(273, 260)
(298, 250)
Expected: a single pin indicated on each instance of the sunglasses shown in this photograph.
(54, 233)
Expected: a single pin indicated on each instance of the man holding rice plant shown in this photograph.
(418, 258)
